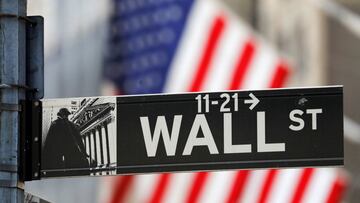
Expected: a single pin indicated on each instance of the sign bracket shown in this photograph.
(35, 58)
(30, 139)
(30, 115)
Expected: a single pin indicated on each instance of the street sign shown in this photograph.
(195, 131)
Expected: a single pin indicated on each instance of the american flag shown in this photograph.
(185, 45)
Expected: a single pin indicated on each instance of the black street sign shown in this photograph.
(196, 131)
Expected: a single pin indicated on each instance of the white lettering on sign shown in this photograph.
(298, 120)
(229, 148)
(224, 101)
(151, 142)
(313, 113)
(295, 116)
(207, 140)
(261, 138)
(200, 122)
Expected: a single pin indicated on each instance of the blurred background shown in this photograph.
(149, 46)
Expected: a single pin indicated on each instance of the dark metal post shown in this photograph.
(12, 71)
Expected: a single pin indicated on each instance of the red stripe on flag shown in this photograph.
(197, 186)
(337, 191)
(269, 180)
(242, 65)
(215, 33)
(160, 188)
(281, 72)
(238, 187)
(122, 187)
(302, 184)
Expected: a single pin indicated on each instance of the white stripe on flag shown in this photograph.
(284, 185)
(253, 186)
(178, 187)
(191, 47)
(229, 49)
(320, 185)
(143, 188)
(217, 186)
(262, 68)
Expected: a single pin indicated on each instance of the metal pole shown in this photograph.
(12, 71)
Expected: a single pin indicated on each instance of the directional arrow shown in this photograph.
(253, 101)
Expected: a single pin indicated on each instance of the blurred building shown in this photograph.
(75, 32)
